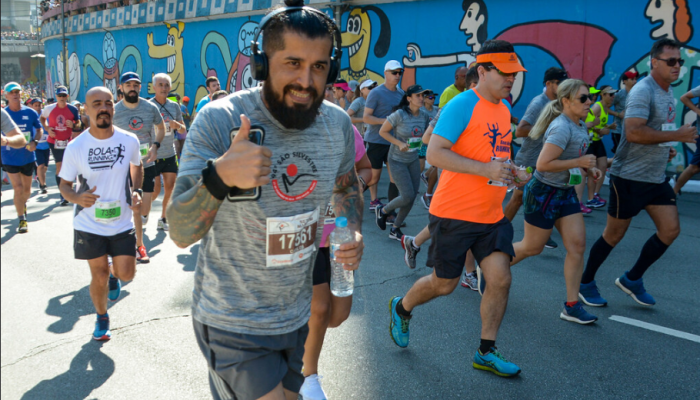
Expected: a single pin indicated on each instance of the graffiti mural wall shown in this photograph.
(595, 40)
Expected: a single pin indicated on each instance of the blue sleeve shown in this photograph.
(36, 124)
(372, 98)
(456, 115)
(74, 111)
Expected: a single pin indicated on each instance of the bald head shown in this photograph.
(461, 78)
(99, 106)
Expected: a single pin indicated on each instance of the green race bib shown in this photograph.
(414, 144)
(107, 211)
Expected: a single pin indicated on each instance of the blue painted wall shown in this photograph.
(596, 40)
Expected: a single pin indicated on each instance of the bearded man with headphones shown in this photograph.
(258, 170)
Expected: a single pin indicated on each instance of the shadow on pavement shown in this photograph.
(89, 370)
(155, 242)
(79, 305)
(189, 261)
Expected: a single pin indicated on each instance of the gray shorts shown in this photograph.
(244, 367)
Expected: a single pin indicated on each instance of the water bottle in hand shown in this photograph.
(342, 281)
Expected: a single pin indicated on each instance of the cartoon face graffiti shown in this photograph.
(474, 23)
(356, 38)
(59, 70)
(171, 50)
(73, 75)
(111, 66)
(246, 35)
(240, 77)
(661, 11)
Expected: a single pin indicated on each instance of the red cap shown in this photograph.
(631, 74)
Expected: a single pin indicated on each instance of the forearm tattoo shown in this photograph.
(191, 211)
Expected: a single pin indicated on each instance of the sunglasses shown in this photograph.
(399, 73)
(61, 95)
(671, 62)
(503, 74)
(586, 97)
(610, 94)
(431, 97)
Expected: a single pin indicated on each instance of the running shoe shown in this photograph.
(410, 251)
(425, 199)
(115, 288)
(42, 189)
(102, 332)
(635, 289)
(577, 314)
(311, 389)
(590, 296)
(163, 225)
(480, 280)
(398, 328)
(5, 181)
(494, 361)
(391, 218)
(424, 179)
(23, 226)
(374, 204)
(551, 244)
(470, 281)
(63, 202)
(142, 255)
(593, 203)
(585, 210)
(600, 199)
(380, 218)
(396, 234)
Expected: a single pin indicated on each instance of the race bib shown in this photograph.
(107, 211)
(27, 137)
(291, 239)
(143, 149)
(60, 144)
(168, 130)
(666, 128)
(414, 144)
(575, 177)
(44, 138)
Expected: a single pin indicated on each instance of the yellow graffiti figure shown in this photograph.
(172, 51)
(356, 42)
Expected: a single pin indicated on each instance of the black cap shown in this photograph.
(555, 74)
(415, 89)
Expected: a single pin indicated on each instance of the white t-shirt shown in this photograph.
(103, 164)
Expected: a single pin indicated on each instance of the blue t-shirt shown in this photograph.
(27, 121)
(203, 102)
(382, 101)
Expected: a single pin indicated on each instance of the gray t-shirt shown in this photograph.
(169, 111)
(531, 148)
(358, 106)
(573, 139)
(407, 128)
(8, 124)
(382, 101)
(140, 121)
(619, 103)
(645, 162)
(432, 113)
(695, 91)
(240, 283)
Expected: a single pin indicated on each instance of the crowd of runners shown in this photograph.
(258, 178)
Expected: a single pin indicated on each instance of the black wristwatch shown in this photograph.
(157, 145)
(34, 141)
(139, 191)
(213, 182)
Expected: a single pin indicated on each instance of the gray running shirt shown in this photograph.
(382, 101)
(358, 106)
(8, 124)
(695, 91)
(619, 102)
(645, 162)
(573, 139)
(169, 111)
(140, 121)
(407, 126)
(530, 150)
(235, 289)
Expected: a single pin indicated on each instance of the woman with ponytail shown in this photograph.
(550, 199)
(408, 122)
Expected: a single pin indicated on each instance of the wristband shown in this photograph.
(212, 181)
(139, 191)
(157, 145)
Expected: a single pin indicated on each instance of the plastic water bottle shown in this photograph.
(342, 281)
(522, 174)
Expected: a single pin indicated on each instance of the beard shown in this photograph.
(296, 117)
(107, 122)
(131, 99)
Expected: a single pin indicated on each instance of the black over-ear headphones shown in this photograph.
(258, 61)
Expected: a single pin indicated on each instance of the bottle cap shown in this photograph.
(341, 222)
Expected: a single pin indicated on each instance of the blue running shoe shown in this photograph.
(495, 362)
(115, 288)
(398, 328)
(593, 203)
(577, 314)
(102, 332)
(590, 296)
(635, 289)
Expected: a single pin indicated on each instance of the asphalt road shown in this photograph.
(48, 318)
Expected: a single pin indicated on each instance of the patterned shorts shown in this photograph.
(544, 204)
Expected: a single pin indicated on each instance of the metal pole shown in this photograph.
(38, 47)
(63, 41)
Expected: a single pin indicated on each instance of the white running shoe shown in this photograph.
(470, 281)
(311, 389)
(144, 220)
(163, 225)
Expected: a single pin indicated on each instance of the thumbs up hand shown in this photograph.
(245, 165)
(87, 199)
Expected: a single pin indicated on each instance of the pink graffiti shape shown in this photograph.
(569, 43)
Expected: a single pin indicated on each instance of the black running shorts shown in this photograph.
(628, 197)
(250, 366)
(161, 166)
(56, 153)
(597, 148)
(451, 239)
(26, 169)
(322, 267)
(88, 246)
(378, 154)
